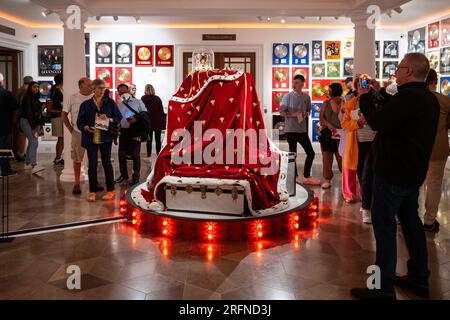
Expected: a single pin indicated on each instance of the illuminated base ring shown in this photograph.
(302, 211)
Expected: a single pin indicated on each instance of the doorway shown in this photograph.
(10, 67)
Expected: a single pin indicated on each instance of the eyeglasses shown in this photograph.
(399, 67)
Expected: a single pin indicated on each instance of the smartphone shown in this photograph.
(364, 83)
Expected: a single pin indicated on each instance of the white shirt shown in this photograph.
(73, 107)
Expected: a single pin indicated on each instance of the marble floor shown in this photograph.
(324, 262)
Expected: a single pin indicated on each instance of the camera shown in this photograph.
(402, 35)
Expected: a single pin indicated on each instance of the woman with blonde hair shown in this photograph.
(157, 117)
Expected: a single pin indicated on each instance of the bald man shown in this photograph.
(406, 125)
(73, 107)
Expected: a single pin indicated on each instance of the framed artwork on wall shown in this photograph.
(317, 49)
(280, 78)
(45, 86)
(300, 54)
(433, 57)
(433, 35)
(315, 130)
(315, 109)
(277, 96)
(144, 56)
(390, 49)
(304, 71)
(333, 69)
(445, 86)
(280, 54)
(416, 40)
(332, 50)
(445, 32)
(377, 49)
(348, 67)
(124, 53)
(389, 68)
(105, 73)
(164, 56)
(318, 70)
(103, 52)
(124, 75)
(50, 60)
(445, 60)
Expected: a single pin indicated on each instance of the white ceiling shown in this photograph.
(187, 12)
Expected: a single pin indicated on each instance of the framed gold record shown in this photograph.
(164, 53)
(280, 51)
(124, 75)
(144, 53)
(300, 51)
(164, 56)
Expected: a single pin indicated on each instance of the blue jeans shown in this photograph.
(388, 200)
(31, 157)
(5, 143)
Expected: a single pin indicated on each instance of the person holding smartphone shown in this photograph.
(401, 157)
(93, 119)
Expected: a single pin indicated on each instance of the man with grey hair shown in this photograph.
(8, 105)
(406, 126)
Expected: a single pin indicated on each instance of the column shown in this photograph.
(364, 56)
(74, 68)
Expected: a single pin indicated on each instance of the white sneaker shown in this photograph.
(311, 181)
(37, 168)
(366, 216)
(326, 184)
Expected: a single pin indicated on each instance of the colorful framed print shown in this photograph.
(333, 69)
(315, 109)
(389, 68)
(315, 130)
(348, 67)
(45, 87)
(280, 78)
(300, 54)
(445, 32)
(124, 53)
(50, 60)
(106, 74)
(317, 49)
(348, 47)
(445, 86)
(304, 71)
(280, 54)
(433, 35)
(164, 56)
(390, 49)
(416, 40)
(332, 50)
(318, 70)
(319, 89)
(445, 60)
(277, 96)
(103, 52)
(144, 56)
(124, 75)
(433, 57)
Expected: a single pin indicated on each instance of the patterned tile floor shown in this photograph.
(116, 263)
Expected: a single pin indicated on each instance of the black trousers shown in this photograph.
(295, 137)
(105, 153)
(365, 173)
(388, 200)
(157, 143)
(132, 147)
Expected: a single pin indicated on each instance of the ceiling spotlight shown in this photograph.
(138, 19)
(398, 10)
(259, 18)
(319, 18)
(268, 19)
(115, 18)
(97, 18)
(46, 12)
(337, 18)
(389, 13)
(283, 20)
(302, 17)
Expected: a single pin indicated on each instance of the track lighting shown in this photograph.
(283, 20)
(398, 10)
(268, 19)
(115, 18)
(138, 19)
(46, 12)
(97, 18)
